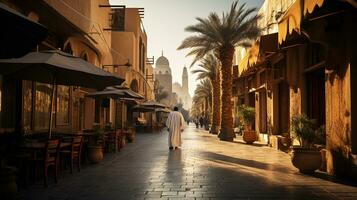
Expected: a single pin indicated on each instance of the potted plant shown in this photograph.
(129, 132)
(247, 115)
(95, 147)
(305, 156)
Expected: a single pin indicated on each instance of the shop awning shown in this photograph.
(19, 35)
(309, 5)
(257, 54)
(292, 18)
(250, 58)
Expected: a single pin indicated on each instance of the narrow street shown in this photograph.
(204, 168)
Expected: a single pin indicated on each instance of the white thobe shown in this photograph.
(175, 122)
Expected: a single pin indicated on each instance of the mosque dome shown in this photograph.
(162, 60)
(162, 66)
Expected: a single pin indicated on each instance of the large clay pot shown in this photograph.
(8, 186)
(306, 160)
(249, 137)
(130, 135)
(95, 154)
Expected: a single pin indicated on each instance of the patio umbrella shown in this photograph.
(153, 104)
(166, 110)
(149, 106)
(129, 91)
(141, 108)
(18, 34)
(57, 68)
(117, 92)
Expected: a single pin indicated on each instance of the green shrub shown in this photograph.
(306, 132)
(246, 114)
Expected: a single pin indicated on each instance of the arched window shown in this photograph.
(134, 85)
(68, 48)
(84, 56)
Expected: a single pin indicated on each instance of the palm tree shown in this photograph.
(204, 91)
(209, 68)
(203, 97)
(238, 27)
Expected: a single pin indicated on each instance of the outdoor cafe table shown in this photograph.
(41, 145)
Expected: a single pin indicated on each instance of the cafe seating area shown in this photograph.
(38, 160)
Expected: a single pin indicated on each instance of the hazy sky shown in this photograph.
(164, 22)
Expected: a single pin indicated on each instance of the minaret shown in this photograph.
(185, 80)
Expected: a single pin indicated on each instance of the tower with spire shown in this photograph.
(182, 90)
(185, 80)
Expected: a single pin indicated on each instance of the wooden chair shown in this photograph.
(111, 142)
(51, 156)
(120, 139)
(74, 153)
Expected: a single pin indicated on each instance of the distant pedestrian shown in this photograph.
(175, 124)
(201, 122)
(197, 123)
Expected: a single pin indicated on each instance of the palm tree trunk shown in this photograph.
(216, 107)
(226, 57)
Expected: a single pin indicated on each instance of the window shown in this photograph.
(68, 48)
(134, 85)
(42, 105)
(118, 19)
(142, 56)
(27, 101)
(84, 57)
(62, 113)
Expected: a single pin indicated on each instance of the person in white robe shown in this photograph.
(175, 124)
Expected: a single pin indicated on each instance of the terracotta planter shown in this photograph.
(95, 154)
(306, 160)
(8, 186)
(130, 135)
(249, 137)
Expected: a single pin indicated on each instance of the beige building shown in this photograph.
(112, 38)
(307, 67)
(250, 86)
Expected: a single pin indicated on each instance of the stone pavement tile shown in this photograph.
(162, 189)
(204, 168)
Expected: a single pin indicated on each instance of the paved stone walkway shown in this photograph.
(204, 168)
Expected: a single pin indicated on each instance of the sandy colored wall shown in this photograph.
(296, 80)
(341, 101)
(91, 19)
(338, 119)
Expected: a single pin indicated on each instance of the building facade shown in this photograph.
(89, 30)
(306, 68)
